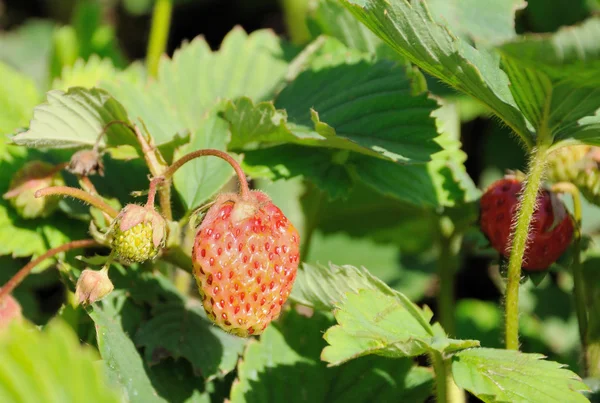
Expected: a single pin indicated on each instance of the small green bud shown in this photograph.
(33, 176)
(138, 234)
(93, 285)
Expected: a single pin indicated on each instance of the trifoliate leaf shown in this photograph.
(284, 365)
(504, 376)
(371, 322)
(50, 366)
(408, 27)
(365, 106)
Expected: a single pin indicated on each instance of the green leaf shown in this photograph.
(245, 65)
(85, 74)
(504, 376)
(323, 288)
(27, 49)
(332, 19)
(443, 182)
(568, 109)
(200, 179)
(182, 331)
(572, 53)
(18, 96)
(371, 322)
(486, 22)
(75, 119)
(410, 30)
(49, 366)
(20, 237)
(365, 106)
(318, 165)
(284, 366)
(122, 361)
(175, 381)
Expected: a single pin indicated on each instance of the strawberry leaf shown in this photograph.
(64, 370)
(174, 331)
(75, 119)
(372, 322)
(366, 107)
(454, 61)
(503, 376)
(85, 73)
(483, 21)
(18, 96)
(572, 53)
(200, 179)
(284, 365)
(123, 363)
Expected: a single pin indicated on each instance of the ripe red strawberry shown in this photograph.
(550, 232)
(245, 254)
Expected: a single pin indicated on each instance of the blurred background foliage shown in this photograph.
(42, 38)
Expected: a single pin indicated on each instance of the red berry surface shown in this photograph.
(246, 255)
(550, 231)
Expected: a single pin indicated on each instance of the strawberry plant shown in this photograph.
(394, 201)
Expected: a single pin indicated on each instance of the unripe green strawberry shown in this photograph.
(10, 311)
(138, 234)
(92, 286)
(33, 176)
(245, 256)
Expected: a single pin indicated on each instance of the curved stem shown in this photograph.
(78, 194)
(21, 274)
(527, 205)
(159, 34)
(152, 191)
(244, 188)
(578, 280)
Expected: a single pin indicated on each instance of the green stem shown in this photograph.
(312, 200)
(295, 12)
(78, 194)
(578, 280)
(445, 298)
(159, 34)
(519, 240)
(177, 257)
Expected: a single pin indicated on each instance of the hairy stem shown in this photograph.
(527, 206)
(244, 188)
(159, 34)
(21, 274)
(578, 280)
(177, 257)
(157, 169)
(78, 194)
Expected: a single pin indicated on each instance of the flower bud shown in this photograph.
(33, 176)
(93, 285)
(10, 311)
(86, 163)
(138, 234)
